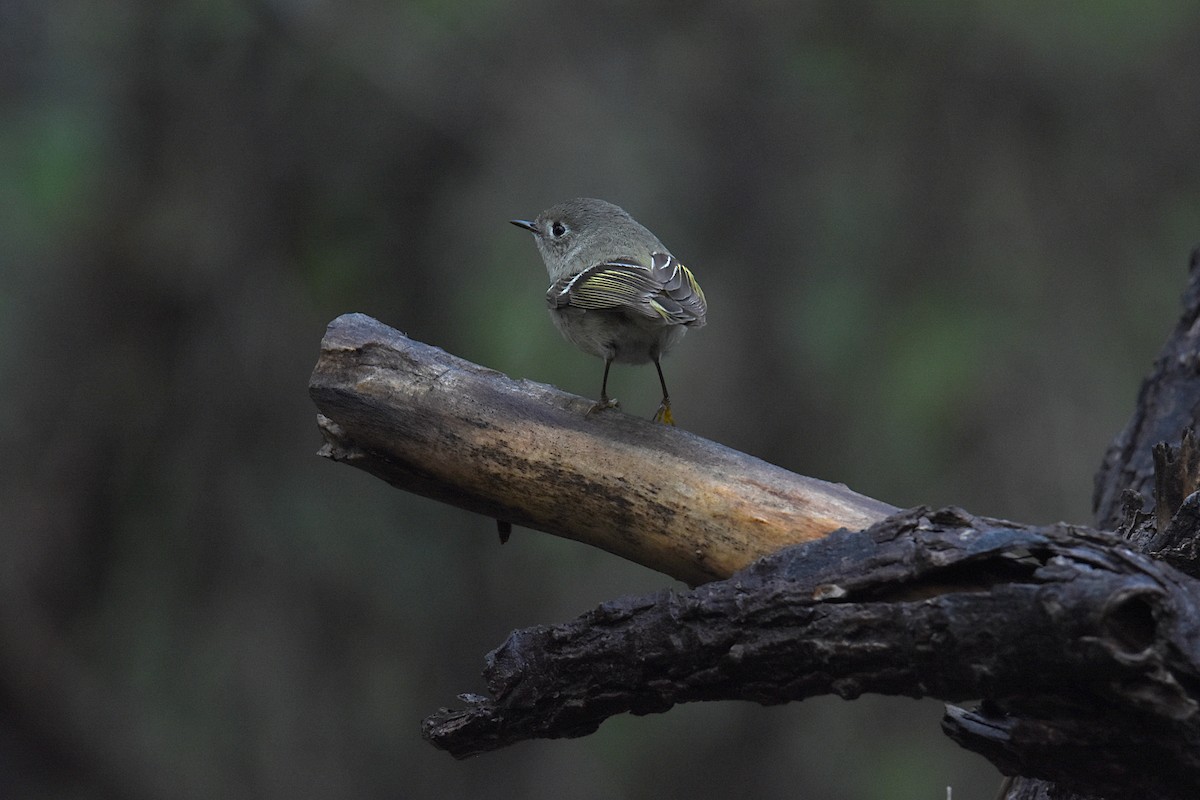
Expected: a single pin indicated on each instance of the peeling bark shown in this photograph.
(1061, 625)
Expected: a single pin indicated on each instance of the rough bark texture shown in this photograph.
(1168, 404)
(1096, 648)
(526, 453)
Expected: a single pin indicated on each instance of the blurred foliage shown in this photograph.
(941, 241)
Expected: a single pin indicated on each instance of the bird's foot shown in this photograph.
(664, 414)
(605, 403)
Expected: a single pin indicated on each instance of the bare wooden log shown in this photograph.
(526, 453)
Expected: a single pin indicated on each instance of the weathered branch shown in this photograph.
(1168, 402)
(1060, 624)
(526, 453)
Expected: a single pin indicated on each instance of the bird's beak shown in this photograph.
(526, 224)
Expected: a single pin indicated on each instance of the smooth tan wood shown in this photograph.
(526, 453)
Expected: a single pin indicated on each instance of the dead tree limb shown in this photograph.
(1097, 648)
(526, 453)
(1168, 402)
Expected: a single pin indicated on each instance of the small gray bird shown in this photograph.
(617, 292)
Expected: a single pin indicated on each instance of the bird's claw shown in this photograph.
(604, 403)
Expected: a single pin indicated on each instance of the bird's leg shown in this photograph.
(605, 400)
(663, 414)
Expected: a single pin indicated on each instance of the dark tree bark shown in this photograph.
(1168, 404)
(1089, 653)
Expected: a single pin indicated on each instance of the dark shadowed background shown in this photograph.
(941, 243)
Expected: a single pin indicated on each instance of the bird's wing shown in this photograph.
(666, 290)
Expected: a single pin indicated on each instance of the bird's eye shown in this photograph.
(558, 230)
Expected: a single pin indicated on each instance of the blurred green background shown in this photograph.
(941, 243)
